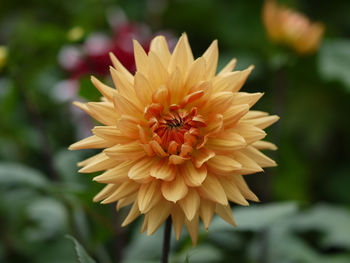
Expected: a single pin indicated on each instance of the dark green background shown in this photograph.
(43, 198)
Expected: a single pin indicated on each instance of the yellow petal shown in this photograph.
(161, 96)
(201, 156)
(190, 203)
(260, 158)
(92, 142)
(234, 114)
(126, 201)
(125, 106)
(111, 133)
(244, 188)
(192, 228)
(133, 214)
(263, 122)
(102, 112)
(103, 162)
(140, 172)
(229, 142)
(160, 47)
(178, 220)
(196, 73)
(105, 90)
(229, 67)
(174, 190)
(246, 98)
(211, 57)
(157, 73)
(179, 57)
(226, 213)
(193, 176)
(212, 190)
(219, 102)
(158, 215)
(264, 145)
(249, 132)
(128, 125)
(119, 67)
(118, 174)
(143, 89)
(174, 85)
(163, 170)
(106, 191)
(127, 188)
(232, 191)
(148, 196)
(249, 165)
(253, 114)
(125, 152)
(124, 87)
(141, 59)
(223, 165)
(206, 211)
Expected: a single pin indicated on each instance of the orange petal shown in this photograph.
(118, 174)
(148, 196)
(174, 190)
(201, 156)
(190, 203)
(193, 176)
(206, 211)
(101, 162)
(176, 159)
(178, 219)
(125, 152)
(223, 165)
(158, 215)
(192, 228)
(140, 172)
(92, 142)
(232, 191)
(163, 170)
(226, 213)
(212, 190)
(106, 191)
(125, 189)
(133, 214)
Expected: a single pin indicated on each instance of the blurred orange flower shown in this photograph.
(177, 138)
(288, 27)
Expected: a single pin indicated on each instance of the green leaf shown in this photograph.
(83, 256)
(50, 217)
(255, 218)
(334, 61)
(18, 174)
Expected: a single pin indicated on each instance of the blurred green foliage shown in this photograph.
(43, 198)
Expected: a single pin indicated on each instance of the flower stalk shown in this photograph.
(166, 240)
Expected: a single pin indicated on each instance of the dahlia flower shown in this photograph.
(288, 27)
(177, 137)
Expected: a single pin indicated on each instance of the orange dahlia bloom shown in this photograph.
(177, 138)
(288, 27)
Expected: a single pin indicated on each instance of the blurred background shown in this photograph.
(49, 49)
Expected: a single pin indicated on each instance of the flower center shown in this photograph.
(177, 131)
